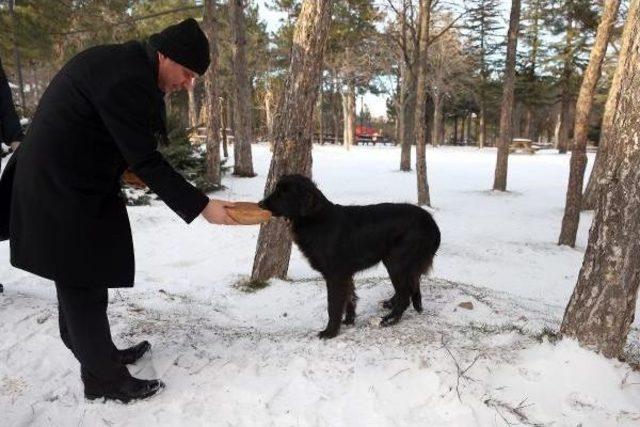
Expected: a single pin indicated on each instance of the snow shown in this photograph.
(234, 357)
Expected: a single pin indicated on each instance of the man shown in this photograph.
(10, 129)
(60, 198)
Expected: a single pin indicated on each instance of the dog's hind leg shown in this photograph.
(352, 298)
(402, 284)
(416, 295)
(337, 291)
(402, 298)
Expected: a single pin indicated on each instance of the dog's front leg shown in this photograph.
(337, 290)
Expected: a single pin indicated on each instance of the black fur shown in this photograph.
(340, 240)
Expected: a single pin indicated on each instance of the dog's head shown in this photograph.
(295, 196)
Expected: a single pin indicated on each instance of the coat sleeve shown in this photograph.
(10, 129)
(127, 108)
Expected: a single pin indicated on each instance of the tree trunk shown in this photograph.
(437, 119)
(320, 115)
(293, 130)
(334, 111)
(193, 115)
(443, 124)
(476, 128)
(506, 112)
(408, 119)
(399, 102)
(455, 129)
(223, 123)
(598, 171)
(573, 201)
(421, 104)
(243, 163)
(528, 119)
(268, 103)
(213, 172)
(603, 304)
(349, 115)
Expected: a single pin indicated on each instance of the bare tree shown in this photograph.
(602, 307)
(573, 202)
(448, 72)
(506, 113)
(214, 173)
(421, 104)
(293, 130)
(243, 165)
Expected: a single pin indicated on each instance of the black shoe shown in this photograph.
(124, 390)
(131, 355)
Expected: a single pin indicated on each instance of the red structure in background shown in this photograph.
(367, 132)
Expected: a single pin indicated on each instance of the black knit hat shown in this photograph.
(185, 43)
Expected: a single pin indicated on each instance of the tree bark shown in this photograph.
(421, 105)
(408, 119)
(320, 114)
(602, 307)
(268, 103)
(528, 119)
(213, 172)
(573, 201)
(193, 115)
(243, 163)
(224, 124)
(506, 113)
(349, 115)
(293, 130)
(482, 140)
(598, 171)
(437, 119)
(455, 129)
(334, 111)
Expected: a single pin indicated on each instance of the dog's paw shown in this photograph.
(389, 320)
(388, 303)
(349, 321)
(327, 334)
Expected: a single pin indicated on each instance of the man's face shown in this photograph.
(172, 76)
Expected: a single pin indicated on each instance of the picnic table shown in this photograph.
(521, 145)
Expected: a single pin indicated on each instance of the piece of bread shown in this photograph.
(247, 213)
(132, 180)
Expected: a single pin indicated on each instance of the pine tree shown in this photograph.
(482, 25)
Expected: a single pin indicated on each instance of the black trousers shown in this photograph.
(84, 329)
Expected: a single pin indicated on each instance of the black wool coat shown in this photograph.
(61, 203)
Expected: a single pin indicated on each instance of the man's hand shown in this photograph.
(14, 145)
(133, 180)
(216, 213)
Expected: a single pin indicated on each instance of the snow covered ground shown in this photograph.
(234, 357)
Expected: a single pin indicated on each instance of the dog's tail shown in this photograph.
(431, 245)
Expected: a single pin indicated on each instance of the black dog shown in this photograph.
(339, 241)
